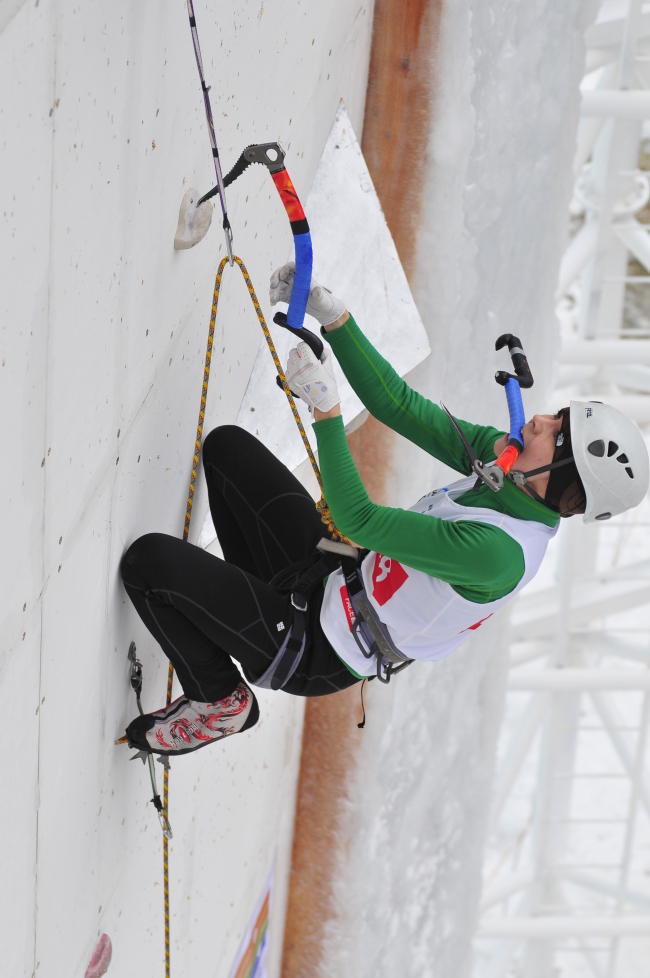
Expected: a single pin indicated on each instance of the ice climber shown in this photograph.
(426, 576)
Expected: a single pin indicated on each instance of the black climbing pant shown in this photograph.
(204, 611)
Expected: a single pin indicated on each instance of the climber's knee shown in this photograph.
(225, 445)
(140, 556)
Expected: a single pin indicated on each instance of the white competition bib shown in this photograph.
(426, 618)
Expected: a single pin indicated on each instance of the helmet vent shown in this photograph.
(622, 458)
(612, 449)
(629, 471)
(604, 516)
(597, 448)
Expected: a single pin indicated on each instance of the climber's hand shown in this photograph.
(311, 379)
(322, 305)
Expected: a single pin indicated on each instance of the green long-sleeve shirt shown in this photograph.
(480, 561)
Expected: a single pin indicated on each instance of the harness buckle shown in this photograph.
(384, 671)
(519, 478)
(296, 594)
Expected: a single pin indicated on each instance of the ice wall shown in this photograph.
(103, 338)
(498, 185)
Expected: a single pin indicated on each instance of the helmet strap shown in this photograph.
(521, 478)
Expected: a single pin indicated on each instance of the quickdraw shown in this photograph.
(220, 189)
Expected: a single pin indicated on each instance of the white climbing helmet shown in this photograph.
(611, 458)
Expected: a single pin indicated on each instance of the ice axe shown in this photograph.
(271, 155)
(494, 473)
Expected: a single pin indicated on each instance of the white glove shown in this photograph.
(311, 379)
(322, 305)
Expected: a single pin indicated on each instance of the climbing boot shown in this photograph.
(185, 725)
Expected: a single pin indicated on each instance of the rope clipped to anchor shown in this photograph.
(321, 505)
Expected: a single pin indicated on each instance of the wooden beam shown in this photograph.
(394, 142)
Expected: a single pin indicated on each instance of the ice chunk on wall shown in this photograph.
(354, 256)
(103, 337)
(498, 185)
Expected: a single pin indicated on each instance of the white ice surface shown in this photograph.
(103, 328)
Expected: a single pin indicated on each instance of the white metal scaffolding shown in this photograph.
(567, 868)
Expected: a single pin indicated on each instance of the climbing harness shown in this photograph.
(493, 474)
(368, 630)
(213, 139)
(370, 633)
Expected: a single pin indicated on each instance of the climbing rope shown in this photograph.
(170, 679)
(302, 242)
(321, 506)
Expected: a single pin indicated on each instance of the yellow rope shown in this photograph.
(321, 506)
